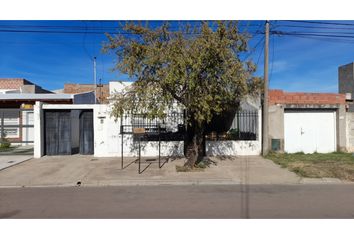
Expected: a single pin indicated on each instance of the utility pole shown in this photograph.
(265, 127)
(94, 77)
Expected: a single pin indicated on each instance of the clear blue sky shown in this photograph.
(297, 62)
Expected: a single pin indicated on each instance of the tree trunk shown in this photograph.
(194, 145)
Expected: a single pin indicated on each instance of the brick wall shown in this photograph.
(281, 97)
(12, 83)
(102, 93)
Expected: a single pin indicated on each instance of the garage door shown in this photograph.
(57, 132)
(310, 132)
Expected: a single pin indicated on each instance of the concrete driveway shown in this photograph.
(90, 171)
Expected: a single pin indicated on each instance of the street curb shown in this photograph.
(128, 183)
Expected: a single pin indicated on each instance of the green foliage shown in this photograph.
(5, 143)
(197, 67)
(233, 133)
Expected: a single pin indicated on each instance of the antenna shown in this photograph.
(94, 77)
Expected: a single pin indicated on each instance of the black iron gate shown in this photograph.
(86, 132)
(57, 132)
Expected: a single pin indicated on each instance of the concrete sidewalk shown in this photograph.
(7, 161)
(90, 171)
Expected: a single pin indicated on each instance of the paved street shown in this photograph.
(199, 201)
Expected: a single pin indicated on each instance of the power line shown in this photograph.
(85, 32)
(319, 32)
(327, 39)
(311, 34)
(320, 22)
(260, 54)
(61, 32)
(313, 27)
(254, 48)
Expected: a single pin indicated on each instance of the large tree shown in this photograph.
(199, 67)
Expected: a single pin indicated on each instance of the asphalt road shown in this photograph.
(199, 201)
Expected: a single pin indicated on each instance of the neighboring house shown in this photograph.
(103, 134)
(17, 98)
(102, 90)
(307, 122)
(19, 85)
(346, 82)
(346, 86)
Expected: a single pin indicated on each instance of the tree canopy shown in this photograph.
(199, 67)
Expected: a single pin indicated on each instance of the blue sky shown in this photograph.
(50, 60)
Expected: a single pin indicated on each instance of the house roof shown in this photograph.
(34, 96)
(277, 96)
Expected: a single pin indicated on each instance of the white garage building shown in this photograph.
(307, 122)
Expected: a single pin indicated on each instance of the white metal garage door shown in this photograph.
(309, 132)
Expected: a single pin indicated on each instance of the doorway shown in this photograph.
(86, 133)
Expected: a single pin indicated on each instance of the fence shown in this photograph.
(16, 126)
(170, 128)
(244, 127)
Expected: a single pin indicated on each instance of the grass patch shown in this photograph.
(317, 165)
(6, 148)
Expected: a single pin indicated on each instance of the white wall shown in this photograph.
(38, 130)
(233, 148)
(108, 140)
(116, 86)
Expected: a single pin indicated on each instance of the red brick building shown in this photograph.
(280, 97)
(102, 90)
(307, 122)
(19, 85)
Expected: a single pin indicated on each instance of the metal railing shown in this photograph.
(16, 125)
(171, 123)
(244, 127)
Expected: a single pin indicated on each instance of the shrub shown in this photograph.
(5, 143)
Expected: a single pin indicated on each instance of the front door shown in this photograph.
(86, 133)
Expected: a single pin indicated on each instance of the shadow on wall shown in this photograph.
(151, 148)
(232, 148)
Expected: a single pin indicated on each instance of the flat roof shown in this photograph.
(35, 96)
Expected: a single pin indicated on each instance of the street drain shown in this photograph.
(94, 159)
(10, 162)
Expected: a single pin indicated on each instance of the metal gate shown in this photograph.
(16, 131)
(57, 132)
(86, 132)
(16, 126)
